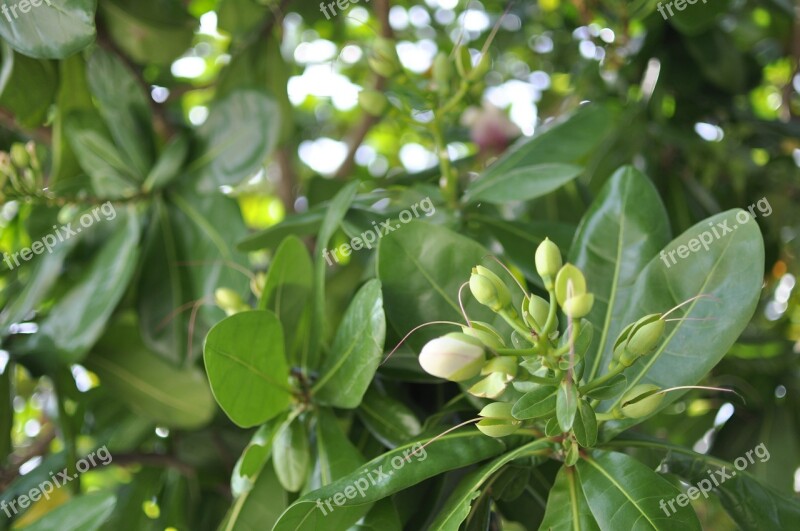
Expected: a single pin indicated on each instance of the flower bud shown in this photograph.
(488, 289)
(645, 335)
(570, 282)
(547, 258)
(642, 407)
(497, 410)
(490, 387)
(484, 333)
(481, 69)
(19, 155)
(455, 357)
(442, 73)
(383, 59)
(229, 300)
(537, 311)
(580, 306)
(498, 427)
(257, 283)
(463, 61)
(373, 102)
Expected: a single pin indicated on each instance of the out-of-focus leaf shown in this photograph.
(84, 513)
(30, 88)
(55, 29)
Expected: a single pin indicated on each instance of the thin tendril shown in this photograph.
(722, 389)
(476, 419)
(687, 301)
(517, 282)
(461, 304)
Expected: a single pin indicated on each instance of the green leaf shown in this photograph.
(336, 455)
(566, 404)
(291, 454)
(585, 427)
(534, 404)
(50, 31)
(454, 450)
(624, 228)
(382, 517)
(78, 318)
(613, 387)
(697, 17)
(356, 351)
(731, 270)
(422, 267)
(168, 165)
(254, 456)
(147, 384)
(522, 184)
(149, 31)
(387, 419)
(83, 513)
(295, 225)
(457, 507)
(186, 257)
(287, 292)
(259, 507)
(567, 508)
(73, 94)
(246, 367)
(238, 136)
(124, 108)
(567, 141)
(29, 89)
(330, 224)
(624, 494)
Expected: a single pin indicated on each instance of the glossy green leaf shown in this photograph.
(147, 384)
(567, 508)
(566, 141)
(585, 427)
(731, 271)
(246, 367)
(624, 494)
(422, 267)
(382, 517)
(330, 224)
(522, 184)
(254, 456)
(78, 318)
(535, 404)
(54, 29)
(29, 89)
(287, 292)
(123, 105)
(356, 352)
(83, 513)
(186, 257)
(336, 456)
(238, 136)
(566, 404)
(624, 228)
(457, 507)
(387, 419)
(291, 452)
(454, 450)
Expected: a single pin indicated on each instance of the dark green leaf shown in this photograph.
(567, 508)
(566, 404)
(388, 419)
(585, 427)
(29, 89)
(291, 454)
(336, 455)
(84, 513)
(535, 404)
(522, 184)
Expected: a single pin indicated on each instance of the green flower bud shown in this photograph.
(497, 410)
(373, 102)
(383, 60)
(645, 335)
(503, 364)
(640, 408)
(257, 283)
(488, 289)
(580, 306)
(547, 258)
(482, 68)
(490, 387)
(570, 282)
(463, 61)
(536, 312)
(19, 155)
(498, 427)
(485, 333)
(442, 73)
(572, 454)
(229, 300)
(455, 357)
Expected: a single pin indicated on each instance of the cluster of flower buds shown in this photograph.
(534, 375)
(21, 169)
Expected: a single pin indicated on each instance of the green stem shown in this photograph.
(594, 384)
(513, 320)
(550, 324)
(516, 352)
(449, 177)
(67, 432)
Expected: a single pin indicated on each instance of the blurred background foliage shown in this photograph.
(260, 99)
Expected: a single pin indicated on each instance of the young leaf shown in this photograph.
(566, 404)
(292, 454)
(585, 427)
(356, 351)
(537, 403)
(246, 367)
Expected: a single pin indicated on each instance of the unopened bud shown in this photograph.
(537, 311)
(373, 102)
(498, 427)
(645, 335)
(506, 365)
(383, 58)
(442, 73)
(580, 306)
(20, 156)
(570, 282)
(547, 258)
(490, 387)
(229, 300)
(488, 289)
(641, 407)
(497, 410)
(484, 333)
(455, 357)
